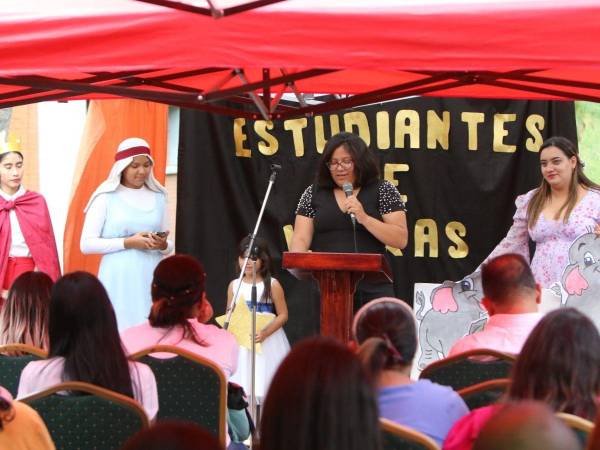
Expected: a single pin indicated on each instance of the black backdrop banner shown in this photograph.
(460, 163)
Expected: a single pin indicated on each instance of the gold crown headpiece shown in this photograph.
(6, 147)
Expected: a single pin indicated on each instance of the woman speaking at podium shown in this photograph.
(350, 209)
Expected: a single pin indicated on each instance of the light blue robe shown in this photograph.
(127, 274)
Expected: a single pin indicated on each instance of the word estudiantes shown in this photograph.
(404, 129)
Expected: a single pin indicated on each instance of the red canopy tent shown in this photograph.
(373, 50)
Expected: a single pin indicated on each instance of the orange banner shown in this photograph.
(108, 122)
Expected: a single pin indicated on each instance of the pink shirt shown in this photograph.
(220, 345)
(463, 434)
(503, 332)
(40, 375)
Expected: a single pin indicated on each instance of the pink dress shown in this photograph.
(552, 237)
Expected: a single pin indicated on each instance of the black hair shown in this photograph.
(320, 399)
(83, 330)
(177, 286)
(366, 170)
(387, 333)
(262, 252)
(505, 277)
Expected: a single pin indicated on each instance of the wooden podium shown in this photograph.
(337, 274)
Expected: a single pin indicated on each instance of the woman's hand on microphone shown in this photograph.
(353, 205)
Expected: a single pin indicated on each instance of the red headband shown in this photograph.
(133, 151)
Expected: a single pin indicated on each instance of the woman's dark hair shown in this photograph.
(172, 435)
(4, 155)
(83, 330)
(560, 364)
(177, 286)
(366, 170)
(262, 252)
(320, 399)
(542, 194)
(24, 316)
(386, 330)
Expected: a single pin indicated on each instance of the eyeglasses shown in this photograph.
(344, 164)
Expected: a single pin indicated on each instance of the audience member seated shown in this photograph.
(179, 307)
(558, 365)
(24, 316)
(385, 328)
(526, 425)
(21, 428)
(85, 345)
(320, 399)
(171, 435)
(511, 297)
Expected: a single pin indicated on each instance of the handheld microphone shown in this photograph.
(347, 188)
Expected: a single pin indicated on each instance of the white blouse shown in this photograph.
(18, 247)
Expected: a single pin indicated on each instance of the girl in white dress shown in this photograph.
(126, 221)
(270, 299)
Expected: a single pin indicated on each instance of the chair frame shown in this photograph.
(200, 360)
(23, 348)
(431, 368)
(408, 433)
(94, 390)
(576, 422)
(484, 386)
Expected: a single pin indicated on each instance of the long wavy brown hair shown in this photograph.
(560, 364)
(543, 193)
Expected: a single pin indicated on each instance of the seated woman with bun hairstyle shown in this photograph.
(179, 308)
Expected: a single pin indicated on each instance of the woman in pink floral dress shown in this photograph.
(564, 206)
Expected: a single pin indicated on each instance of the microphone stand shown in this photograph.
(253, 410)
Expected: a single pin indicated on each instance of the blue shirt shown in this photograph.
(424, 406)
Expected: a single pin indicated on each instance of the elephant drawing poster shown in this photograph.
(445, 313)
(580, 283)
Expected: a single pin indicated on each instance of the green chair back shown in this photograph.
(484, 394)
(13, 358)
(96, 418)
(469, 368)
(399, 437)
(190, 388)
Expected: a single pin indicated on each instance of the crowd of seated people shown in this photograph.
(325, 394)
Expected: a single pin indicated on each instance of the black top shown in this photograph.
(333, 227)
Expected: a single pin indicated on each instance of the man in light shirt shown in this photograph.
(511, 297)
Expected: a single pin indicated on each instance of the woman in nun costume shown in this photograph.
(126, 222)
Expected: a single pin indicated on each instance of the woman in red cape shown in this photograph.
(26, 236)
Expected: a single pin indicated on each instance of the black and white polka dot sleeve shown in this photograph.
(389, 198)
(305, 206)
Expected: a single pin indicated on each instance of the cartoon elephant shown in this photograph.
(455, 312)
(581, 278)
